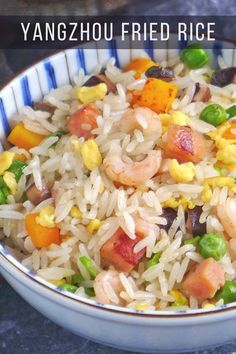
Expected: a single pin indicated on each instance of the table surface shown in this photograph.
(22, 329)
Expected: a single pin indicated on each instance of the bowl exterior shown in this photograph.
(126, 330)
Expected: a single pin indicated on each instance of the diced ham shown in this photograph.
(118, 251)
(83, 121)
(203, 281)
(36, 196)
(184, 144)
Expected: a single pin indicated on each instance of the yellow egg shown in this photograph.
(141, 306)
(46, 217)
(76, 145)
(179, 298)
(91, 155)
(6, 159)
(10, 180)
(93, 226)
(179, 118)
(165, 118)
(184, 172)
(75, 213)
(57, 282)
(206, 194)
(208, 306)
(92, 94)
(227, 154)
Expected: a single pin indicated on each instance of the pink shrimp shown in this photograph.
(133, 120)
(134, 174)
(110, 277)
(226, 214)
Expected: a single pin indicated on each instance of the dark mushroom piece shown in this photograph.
(98, 79)
(202, 93)
(157, 72)
(170, 215)
(224, 77)
(44, 106)
(35, 195)
(193, 225)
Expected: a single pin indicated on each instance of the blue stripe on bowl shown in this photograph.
(51, 78)
(113, 52)
(182, 44)
(217, 51)
(81, 60)
(26, 94)
(149, 47)
(4, 119)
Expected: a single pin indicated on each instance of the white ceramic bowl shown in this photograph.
(119, 327)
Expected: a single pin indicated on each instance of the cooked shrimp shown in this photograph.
(143, 228)
(226, 214)
(109, 278)
(132, 120)
(134, 174)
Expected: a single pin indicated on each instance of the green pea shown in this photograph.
(231, 111)
(218, 169)
(89, 266)
(68, 287)
(90, 292)
(212, 245)
(214, 114)
(17, 167)
(192, 241)
(77, 279)
(154, 260)
(194, 56)
(227, 293)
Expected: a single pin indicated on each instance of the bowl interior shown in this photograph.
(58, 70)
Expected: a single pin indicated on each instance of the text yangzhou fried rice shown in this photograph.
(122, 187)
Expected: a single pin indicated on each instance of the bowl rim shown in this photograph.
(189, 313)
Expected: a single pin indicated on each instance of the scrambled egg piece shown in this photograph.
(141, 306)
(184, 172)
(174, 203)
(208, 306)
(221, 182)
(75, 213)
(57, 282)
(91, 155)
(226, 147)
(76, 145)
(180, 299)
(46, 217)
(219, 131)
(93, 226)
(6, 159)
(227, 153)
(10, 180)
(91, 94)
(206, 194)
(179, 118)
(213, 182)
(176, 117)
